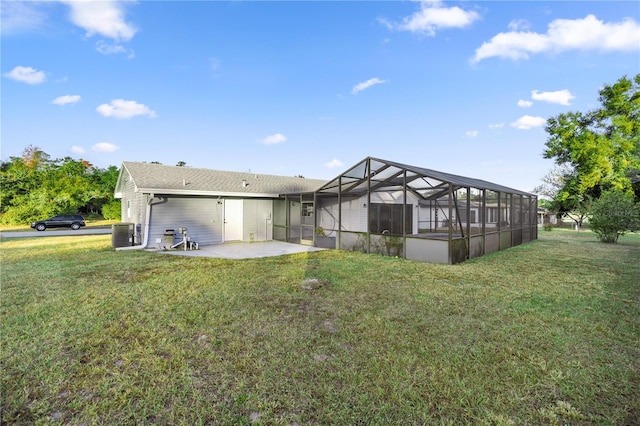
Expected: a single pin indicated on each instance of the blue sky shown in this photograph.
(311, 88)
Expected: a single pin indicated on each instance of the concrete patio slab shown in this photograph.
(245, 250)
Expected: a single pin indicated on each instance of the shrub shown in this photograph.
(26, 213)
(112, 210)
(613, 214)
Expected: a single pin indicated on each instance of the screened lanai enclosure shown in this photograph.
(395, 209)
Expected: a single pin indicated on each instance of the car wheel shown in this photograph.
(41, 227)
(75, 226)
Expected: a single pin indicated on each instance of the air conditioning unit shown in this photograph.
(122, 234)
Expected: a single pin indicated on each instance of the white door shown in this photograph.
(232, 220)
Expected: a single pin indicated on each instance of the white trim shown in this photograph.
(208, 193)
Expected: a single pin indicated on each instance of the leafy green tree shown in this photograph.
(103, 183)
(68, 184)
(600, 149)
(21, 175)
(613, 214)
(575, 205)
(33, 186)
(112, 210)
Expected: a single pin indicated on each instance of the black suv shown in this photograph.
(73, 221)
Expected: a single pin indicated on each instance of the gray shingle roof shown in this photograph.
(158, 178)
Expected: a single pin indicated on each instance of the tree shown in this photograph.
(553, 182)
(33, 187)
(600, 149)
(103, 183)
(613, 214)
(112, 210)
(34, 158)
(575, 206)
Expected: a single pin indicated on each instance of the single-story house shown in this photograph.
(376, 206)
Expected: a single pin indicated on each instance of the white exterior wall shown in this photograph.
(355, 211)
(327, 216)
(134, 208)
(354, 215)
(203, 218)
(257, 220)
(425, 216)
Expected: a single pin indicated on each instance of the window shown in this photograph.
(463, 215)
(492, 215)
(128, 208)
(491, 206)
(505, 211)
(387, 218)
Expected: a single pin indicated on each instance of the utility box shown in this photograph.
(169, 237)
(122, 234)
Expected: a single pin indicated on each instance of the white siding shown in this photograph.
(354, 215)
(355, 211)
(201, 216)
(134, 208)
(257, 220)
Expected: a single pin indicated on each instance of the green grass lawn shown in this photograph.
(543, 333)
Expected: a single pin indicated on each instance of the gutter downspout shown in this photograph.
(146, 229)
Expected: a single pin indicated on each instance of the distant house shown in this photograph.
(545, 217)
(376, 206)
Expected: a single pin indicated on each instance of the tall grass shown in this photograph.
(544, 333)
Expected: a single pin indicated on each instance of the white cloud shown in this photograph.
(524, 104)
(77, 149)
(472, 133)
(274, 139)
(519, 25)
(20, 15)
(366, 84)
(334, 163)
(588, 33)
(527, 122)
(121, 108)
(66, 99)
(26, 75)
(105, 147)
(562, 97)
(433, 16)
(496, 126)
(113, 49)
(105, 17)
